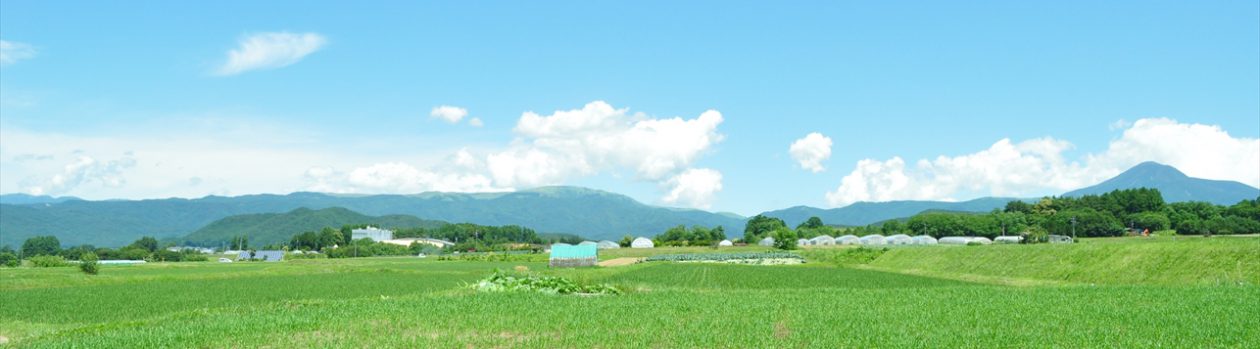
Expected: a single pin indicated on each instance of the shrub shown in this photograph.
(88, 263)
(784, 239)
(47, 261)
(8, 259)
(847, 256)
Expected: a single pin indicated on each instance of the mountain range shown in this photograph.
(590, 213)
(1174, 185)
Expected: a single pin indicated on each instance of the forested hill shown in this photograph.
(593, 214)
(274, 228)
(863, 213)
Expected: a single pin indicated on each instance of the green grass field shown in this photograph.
(943, 296)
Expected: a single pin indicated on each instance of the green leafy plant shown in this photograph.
(87, 263)
(48, 261)
(502, 281)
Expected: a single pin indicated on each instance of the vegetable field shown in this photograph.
(409, 302)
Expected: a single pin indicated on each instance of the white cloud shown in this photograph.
(13, 51)
(451, 114)
(811, 150)
(1037, 167)
(270, 50)
(83, 170)
(694, 187)
(550, 149)
(475, 122)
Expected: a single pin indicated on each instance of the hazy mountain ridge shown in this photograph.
(591, 213)
(268, 228)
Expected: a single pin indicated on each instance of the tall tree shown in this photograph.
(47, 245)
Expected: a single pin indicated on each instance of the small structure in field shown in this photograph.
(374, 233)
(822, 240)
(899, 239)
(980, 240)
(725, 243)
(873, 239)
(225, 260)
(605, 245)
(568, 256)
(1008, 239)
(120, 262)
(1060, 239)
(642, 242)
(439, 243)
(802, 242)
(265, 256)
(768, 241)
(848, 240)
(954, 240)
(588, 242)
(924, 240)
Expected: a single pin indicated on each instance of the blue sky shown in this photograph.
(105, 101)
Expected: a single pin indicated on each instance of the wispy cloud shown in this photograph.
(269, 51)
(451, 114)
(13, 51)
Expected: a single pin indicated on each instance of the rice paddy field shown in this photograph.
(1113, 293)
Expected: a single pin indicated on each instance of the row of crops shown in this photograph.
(777, 257)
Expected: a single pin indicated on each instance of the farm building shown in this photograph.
(265, 256)
(981, 240)
(848, 240)
(439, 243)
(119, 262)
(963, 240)
(588, 242)
(642, 242)
(725, 243)
(899, 239)
(604, 245)
(567, 256)
(1008, 239)
(1060, 239)
(822, 240)
(924, 240)
(802, 242)
(768, 241)
(873, 239)
(373, 233)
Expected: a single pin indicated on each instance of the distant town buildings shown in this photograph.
(374, 233)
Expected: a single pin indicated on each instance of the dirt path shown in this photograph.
(617, 262)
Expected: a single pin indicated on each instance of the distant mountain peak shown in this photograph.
(1173, 184)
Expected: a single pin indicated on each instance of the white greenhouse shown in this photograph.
(924, 240)
(725, 243)
(899, 239)
(954, 240)
(1008, 239)
(642, 242)
(588, 242)
(606, 245)
(822, 240)
(802, 242)
(982, 240)
(848, 240)
(873, 239)
(768, 241)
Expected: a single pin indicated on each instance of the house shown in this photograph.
(265, 256)
(642, 242)
(374, 233)
(568, 256)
